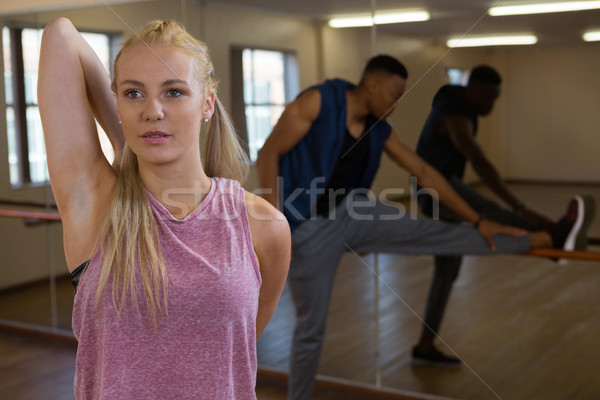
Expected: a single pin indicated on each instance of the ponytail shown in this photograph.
(223, 155)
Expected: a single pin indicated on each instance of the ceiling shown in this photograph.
(448, 17)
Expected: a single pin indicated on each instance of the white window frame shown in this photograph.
(238, 107)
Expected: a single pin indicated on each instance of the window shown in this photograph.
(264, 81)
(26, 150)
(457, 76)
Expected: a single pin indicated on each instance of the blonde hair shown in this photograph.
(129, 233)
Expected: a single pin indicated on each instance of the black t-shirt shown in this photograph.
(437, 149)
(346, 175)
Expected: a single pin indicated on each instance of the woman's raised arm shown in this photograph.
(73, 87)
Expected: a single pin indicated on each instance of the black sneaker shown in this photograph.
(570, 233)
(433, 358)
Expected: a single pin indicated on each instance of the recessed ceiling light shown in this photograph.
(591, 36)
(492, 41)
(401, 17)
(386, 17)
(544, 8)
(349, 22)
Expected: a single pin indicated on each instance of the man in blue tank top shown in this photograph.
(317, 166)
(447, 142)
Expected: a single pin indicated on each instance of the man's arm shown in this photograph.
(429, 177)
(460, 131)
(293, 125)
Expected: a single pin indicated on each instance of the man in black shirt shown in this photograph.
(447, 142)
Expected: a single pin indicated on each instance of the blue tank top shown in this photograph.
(307, 168)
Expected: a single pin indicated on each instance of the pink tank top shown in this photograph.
(206, 347)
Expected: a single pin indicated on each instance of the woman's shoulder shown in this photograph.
(261, 210)
(266, 222)
(271, 237)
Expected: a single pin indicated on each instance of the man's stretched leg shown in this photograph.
(373, 226)
(318, 246)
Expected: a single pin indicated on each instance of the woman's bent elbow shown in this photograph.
(57, 31)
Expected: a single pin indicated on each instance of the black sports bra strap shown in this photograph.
(78, 272)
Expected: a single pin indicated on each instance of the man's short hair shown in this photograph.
(485, 74)
(385, 63)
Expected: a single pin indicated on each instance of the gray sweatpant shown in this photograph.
(360, 225)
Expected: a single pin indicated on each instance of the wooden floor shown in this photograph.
(525, 327)
(35, 369)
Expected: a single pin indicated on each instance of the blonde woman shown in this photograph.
(179, 268)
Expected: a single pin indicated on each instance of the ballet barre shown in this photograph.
(28, 203)
(563, 254)
(30, 215)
